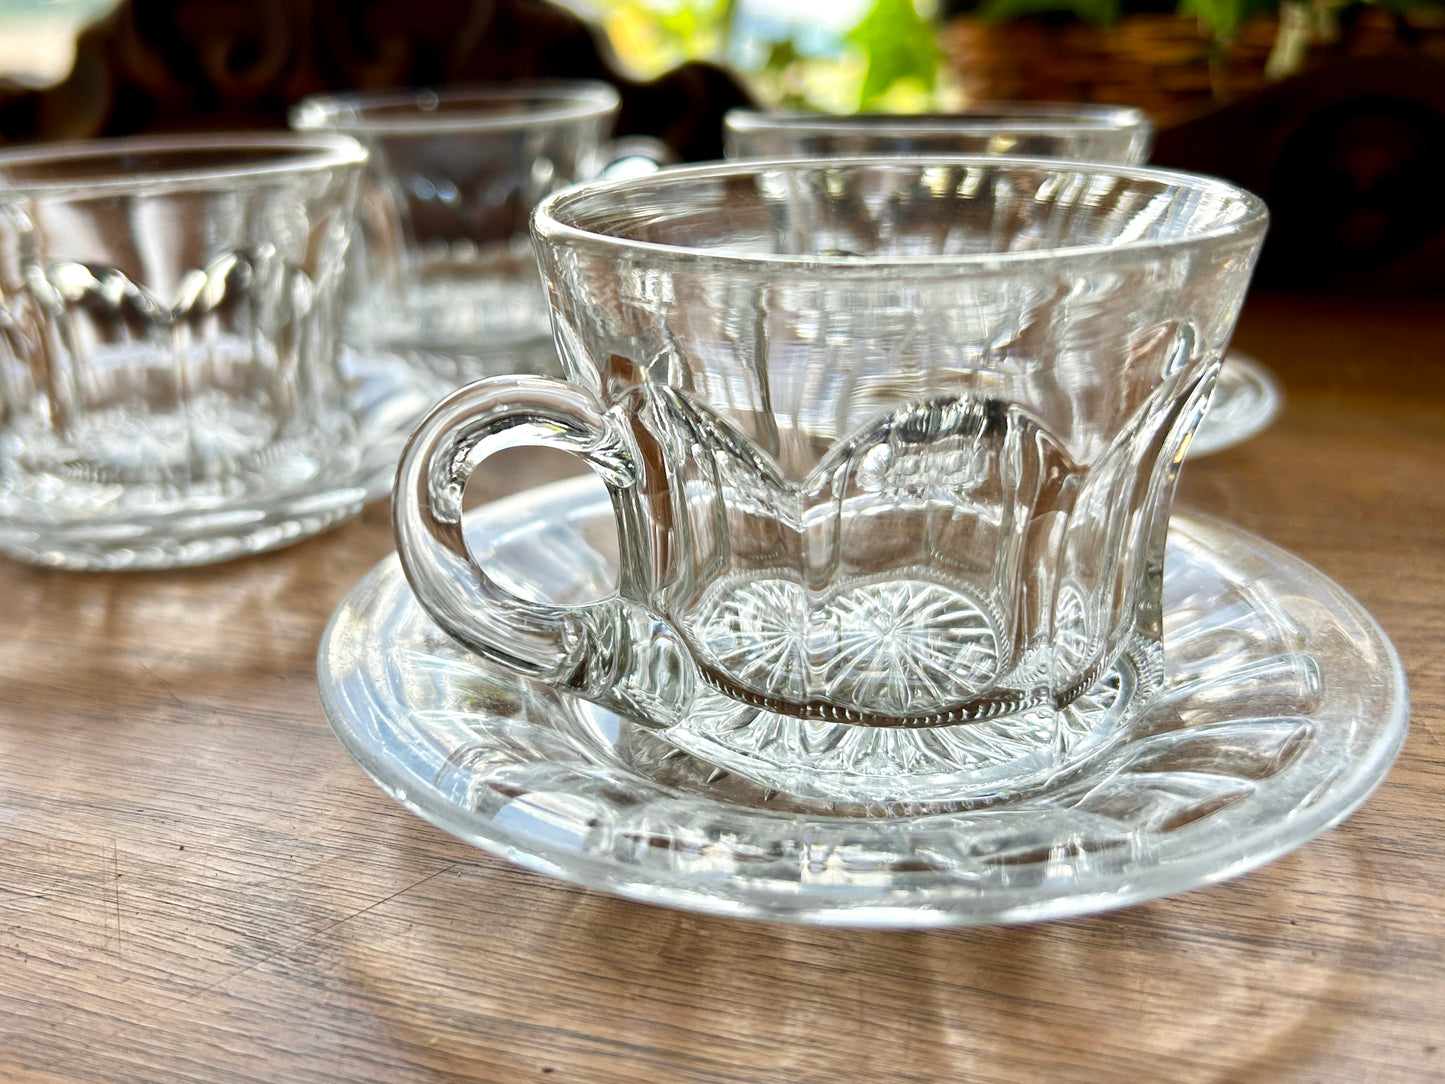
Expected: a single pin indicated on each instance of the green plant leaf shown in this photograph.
(1223, 18)
(899, 44)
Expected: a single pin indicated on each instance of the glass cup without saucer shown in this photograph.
(443, 275)
(892, 444)
(168, 362)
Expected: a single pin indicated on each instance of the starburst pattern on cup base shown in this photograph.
(967, 764)
(895, 645)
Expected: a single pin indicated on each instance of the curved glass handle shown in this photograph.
(556, 645)
(635, 156)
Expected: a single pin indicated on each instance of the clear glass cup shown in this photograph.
(1245, 398)
(1093, 133)
(892, 444)
(168, 362)
(443, 275)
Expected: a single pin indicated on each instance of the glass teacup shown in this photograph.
(891, 442)
(442, 275)
(1245, 397)
(1093, 133)
(169, 385)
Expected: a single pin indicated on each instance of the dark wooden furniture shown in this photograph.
(208, 65)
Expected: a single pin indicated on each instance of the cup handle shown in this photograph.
(635, 155)
(561, 646)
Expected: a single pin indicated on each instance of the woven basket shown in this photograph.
(1163, 64)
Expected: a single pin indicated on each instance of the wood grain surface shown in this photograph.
(197, 884)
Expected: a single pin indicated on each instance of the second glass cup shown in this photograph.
(442, 273)
(1090, 133)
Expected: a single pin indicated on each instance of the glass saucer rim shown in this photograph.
(1210, 439)
(816, 905)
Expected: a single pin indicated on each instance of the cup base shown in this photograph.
(461, 323)
(965, 766)
(451, 367)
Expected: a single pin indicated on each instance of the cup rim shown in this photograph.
(545, 101)
(549, 225)
(293, 153)
(979, 116)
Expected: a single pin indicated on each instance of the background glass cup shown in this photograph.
(443, 274)
(892, 444)
(1093, 133)
(1246, 398)
(169, 391)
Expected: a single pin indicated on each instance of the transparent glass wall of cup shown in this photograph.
(1091, 133)
(169, 392)
(1245, 397)
(443, 276)
(892, 444)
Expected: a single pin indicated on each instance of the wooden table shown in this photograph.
(196, 883)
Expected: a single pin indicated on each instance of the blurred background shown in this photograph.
(1333, 110)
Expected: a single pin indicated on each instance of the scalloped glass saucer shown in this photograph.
(1283, 706)
(1245, 401)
